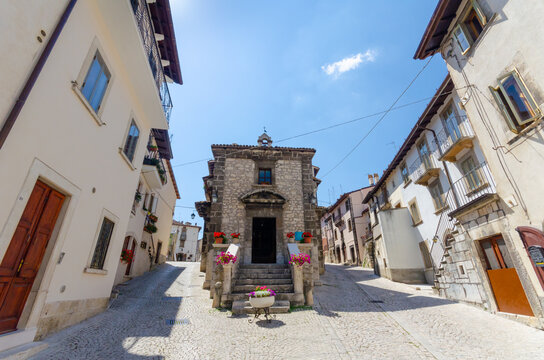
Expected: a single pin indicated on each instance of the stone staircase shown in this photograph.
(274, 276)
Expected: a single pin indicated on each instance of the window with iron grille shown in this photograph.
(102, 244)
(96, 82)
(265, 176)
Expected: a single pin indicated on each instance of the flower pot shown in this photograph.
(262, 302)
(218, 240)
(307, 240)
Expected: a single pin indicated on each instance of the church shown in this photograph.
(262, 192)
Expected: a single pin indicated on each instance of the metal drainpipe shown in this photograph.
(443, 164)
(20, 102)
(354, 232)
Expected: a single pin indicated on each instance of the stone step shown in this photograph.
(244, 307)
(250, 275)
(261, 281)
(276, 288)
(264, 271)
(264, 266)
(244, 296)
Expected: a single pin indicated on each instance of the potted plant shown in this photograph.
(220, 237)
(127, 256)
(225, 258)
(262, 297)
(300, 259)
(307, 237)
(138, 196)
(152, 147)
(150, 228)
(153, 218)
(290, 235)
(235, 236)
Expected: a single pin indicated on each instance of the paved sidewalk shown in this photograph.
(346, 324)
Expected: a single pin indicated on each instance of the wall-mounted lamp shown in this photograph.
(214, 196)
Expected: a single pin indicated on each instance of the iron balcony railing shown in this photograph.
(453, 131)
(421, 165)
(474, 185)
(152, 157)
(145, 25)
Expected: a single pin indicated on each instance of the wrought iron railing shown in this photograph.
(422, 164)
(153, 158)
(452, 132)
(474, 184)
(145, 25)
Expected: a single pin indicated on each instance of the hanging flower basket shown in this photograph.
(153, 218)
(150, 228)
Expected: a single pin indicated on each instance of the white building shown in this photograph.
(185, 238)
(492, 54)
(82, 88)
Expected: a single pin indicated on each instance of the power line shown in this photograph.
(379, 120)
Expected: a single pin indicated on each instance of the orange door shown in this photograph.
(504, 279)
(24, 255)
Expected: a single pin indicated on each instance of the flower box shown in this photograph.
(262, 302)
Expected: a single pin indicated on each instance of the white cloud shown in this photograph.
(349, 63)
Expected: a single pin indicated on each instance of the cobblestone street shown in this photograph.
(349, 322)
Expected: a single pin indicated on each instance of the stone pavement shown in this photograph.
(349, 322)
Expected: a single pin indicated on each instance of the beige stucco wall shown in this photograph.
(57, 140)
(515, 161)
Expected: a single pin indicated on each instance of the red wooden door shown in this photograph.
(24, 255)
(504, 278)
(133, 249)
(533, 238)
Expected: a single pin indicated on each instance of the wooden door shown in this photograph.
(133, 249)
(24, 255)
(533, 239)
(264, 241)
(504, 279)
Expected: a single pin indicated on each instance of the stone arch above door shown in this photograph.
(263, 197)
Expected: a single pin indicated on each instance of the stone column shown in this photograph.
(210, 267)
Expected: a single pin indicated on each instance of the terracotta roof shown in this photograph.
(437, 28)
(177, 223)
(171, 171)
(441, 94)
(257, 147)
(161, 16)
(345, 195)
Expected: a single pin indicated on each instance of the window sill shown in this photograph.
(127, 160)
(535, 125)
(406, 183)
(442, 209)
(418, 223)
(89, 270)
(88, 106)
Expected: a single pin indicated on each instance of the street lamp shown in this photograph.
(193, 215)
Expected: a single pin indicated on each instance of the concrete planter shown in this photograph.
(262, 302)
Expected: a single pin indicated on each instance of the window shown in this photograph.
(335, 235)
(349, 225)
(152, 206)
(146, 199)
(348, 204)
(471, 174)
(132, 139)
(438, 195)
(404, 173)
(515, 101)
(265, 176)
(183, 237)
(96, 82)
(470, 26)
(424, 154)
(451, 124)
(102, 244)
(414, 210)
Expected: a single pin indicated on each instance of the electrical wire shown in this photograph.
(380, 119)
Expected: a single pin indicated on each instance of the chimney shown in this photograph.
(370, 180)
(376, 178)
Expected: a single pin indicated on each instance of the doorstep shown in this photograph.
(23, 352)
(16, 338)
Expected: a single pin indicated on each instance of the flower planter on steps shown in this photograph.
(262, 302)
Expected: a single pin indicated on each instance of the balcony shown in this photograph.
(474, 190)
(338, 220)
(145, 25)
(454, 138)
(424, 170)
(153, 170)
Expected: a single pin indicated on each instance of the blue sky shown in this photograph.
(296, 66)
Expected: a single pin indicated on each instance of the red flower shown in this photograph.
(290, 235)
(235, 235)
(218, 234)
(306, 234)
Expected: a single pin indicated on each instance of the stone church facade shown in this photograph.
(263, 193)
